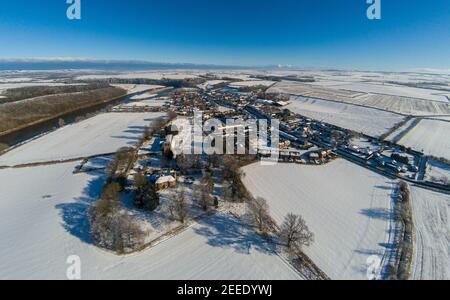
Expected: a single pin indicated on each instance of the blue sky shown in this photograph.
(306, 33)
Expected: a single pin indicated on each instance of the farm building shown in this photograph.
(165, 182)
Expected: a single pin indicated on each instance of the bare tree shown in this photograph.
(204, 197)
(259, 211)
(295, 232)
(179, 208)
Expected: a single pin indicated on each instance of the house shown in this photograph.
(165, 182)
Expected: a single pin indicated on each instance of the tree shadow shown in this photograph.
(383, 187)
(369, 252)
(134, 131)
(75, 215)
(225, 231)
(137, 127)
(378, 213)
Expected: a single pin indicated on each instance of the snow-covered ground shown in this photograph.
(431, 218)
(394, 103)
(347, 207)
(43, 222)
(138, 88)
(360, 119)
(210, 84)
(389, 89)
(103, 133)
(251, 83)
(148, 102)
(430, 136)
(7, 86)
(438, 171)
(143, 96)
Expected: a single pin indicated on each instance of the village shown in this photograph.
(302, 140)
(173, 184)
(239, 166)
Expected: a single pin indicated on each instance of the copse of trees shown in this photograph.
(17, 94)
(119, 167)
(112, 229)
(232, 175)
(20, 114)
(146, 196)
(3, 146)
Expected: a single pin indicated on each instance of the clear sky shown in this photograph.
(306, 33)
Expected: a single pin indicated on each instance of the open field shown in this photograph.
(429, 136)
(438, 171)
(7, 86)
(138, 88)
(306, 90)
(251, 83)
(431, 217)
(210, 84)
(392, 90)
(103, 133)
(43, 221)
(347, 207)
(155, 102)
(403, 105)
(360, 119)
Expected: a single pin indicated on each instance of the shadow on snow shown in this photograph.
(75, 215)
(225, 231)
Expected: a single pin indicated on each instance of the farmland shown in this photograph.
(431, 137)
(431, 217)
(104, 133)
(42, 225)
(393, 103)
(347, 208)
(347, 116)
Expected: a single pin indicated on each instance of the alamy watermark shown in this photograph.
(374, 9)
(74, 267)
(74, 10)
(236, 137)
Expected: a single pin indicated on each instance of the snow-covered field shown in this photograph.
(6, 86)
(143, 96)
(430, 136)
(431, 218)
(138, 88)
(438, 171)
(360, 119)
(251, 83)
(402, 130)
(347, 207)
(394, 103)
(148, 102)
(210, 84)
(43, 222)
(393, 90)
(103, 133)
